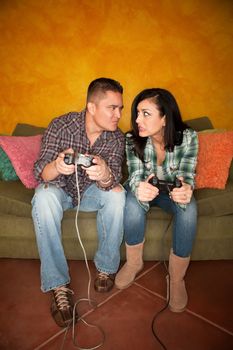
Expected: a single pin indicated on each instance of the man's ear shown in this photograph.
(91, 107)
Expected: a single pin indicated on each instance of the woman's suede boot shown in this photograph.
(133, 265)
(178, 295)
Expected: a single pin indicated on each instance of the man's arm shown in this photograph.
(50, 163)
(57, 167)
(107, 171)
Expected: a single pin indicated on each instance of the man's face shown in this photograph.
(107, 111)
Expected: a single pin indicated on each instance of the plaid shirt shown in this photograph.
(68, 131)
(181, 162)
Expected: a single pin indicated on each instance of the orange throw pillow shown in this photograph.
(214, 159)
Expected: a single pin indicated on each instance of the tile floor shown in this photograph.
(125, 316)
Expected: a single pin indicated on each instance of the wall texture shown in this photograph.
(51, 50)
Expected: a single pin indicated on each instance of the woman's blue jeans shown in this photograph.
(48, 205)
(184, 225)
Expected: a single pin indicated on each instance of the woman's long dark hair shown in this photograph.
(167, 105)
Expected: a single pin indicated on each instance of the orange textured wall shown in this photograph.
(51, 50)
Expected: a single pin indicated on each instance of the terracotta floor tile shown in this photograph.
(80, 279)
(25, 320)
(210, 286)
(125, 316)
(154, 279)
(126, 321)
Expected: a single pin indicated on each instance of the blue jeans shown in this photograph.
(184, 226)
(48, 205)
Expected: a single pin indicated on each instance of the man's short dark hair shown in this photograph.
(100, 86)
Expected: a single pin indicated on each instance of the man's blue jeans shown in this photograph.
(48, 205)
(184, 225)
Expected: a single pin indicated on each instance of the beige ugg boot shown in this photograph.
(178, 295)
(133, 265)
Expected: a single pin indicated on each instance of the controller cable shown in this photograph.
(91, 302)
(168, 283)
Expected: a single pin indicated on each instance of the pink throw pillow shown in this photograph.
(214, 159)
(23, 151)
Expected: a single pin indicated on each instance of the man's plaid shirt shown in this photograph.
(181, 162)
(68, 131)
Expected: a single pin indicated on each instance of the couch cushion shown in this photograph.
(15, 199)
(27, 130)
(215, 202)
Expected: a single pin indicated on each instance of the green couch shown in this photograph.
(214, 233)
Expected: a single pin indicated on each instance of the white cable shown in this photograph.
(78, 234)
(91, 302)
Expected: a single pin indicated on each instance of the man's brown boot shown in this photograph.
(62, 306)
(133, 265)
(104, 282)
(178, 294)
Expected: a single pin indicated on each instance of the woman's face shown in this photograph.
(149, 121)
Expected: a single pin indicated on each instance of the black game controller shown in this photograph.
(165, 186)
(79, 159)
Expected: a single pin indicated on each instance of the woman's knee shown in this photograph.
(191, 211)
(132, 204)
(133, 210)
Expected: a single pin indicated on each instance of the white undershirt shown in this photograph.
(160, 175)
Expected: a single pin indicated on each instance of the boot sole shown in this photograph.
(177, 310)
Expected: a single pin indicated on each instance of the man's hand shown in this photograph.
(183, 194)
(61, 166)
(145, 191)
(100, 171)
(53, 169)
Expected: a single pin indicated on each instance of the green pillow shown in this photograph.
(7, 172)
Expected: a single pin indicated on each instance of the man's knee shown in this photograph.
(118, 188)
(47, 196)
(118, 197)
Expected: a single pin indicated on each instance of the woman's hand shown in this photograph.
(183, 194)
(145, 191)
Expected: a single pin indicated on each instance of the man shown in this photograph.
(93, 131)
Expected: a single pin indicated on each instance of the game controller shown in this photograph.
(79, 159)
(165, 186)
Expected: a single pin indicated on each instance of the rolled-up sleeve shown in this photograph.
(114, 155)
(49, 150)
(135, 165)
(187, 167)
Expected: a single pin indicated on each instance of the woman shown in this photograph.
(160, 144)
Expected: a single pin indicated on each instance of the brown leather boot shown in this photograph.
(178, 294)
(62, 306)
(133, 265)
(103, 282)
